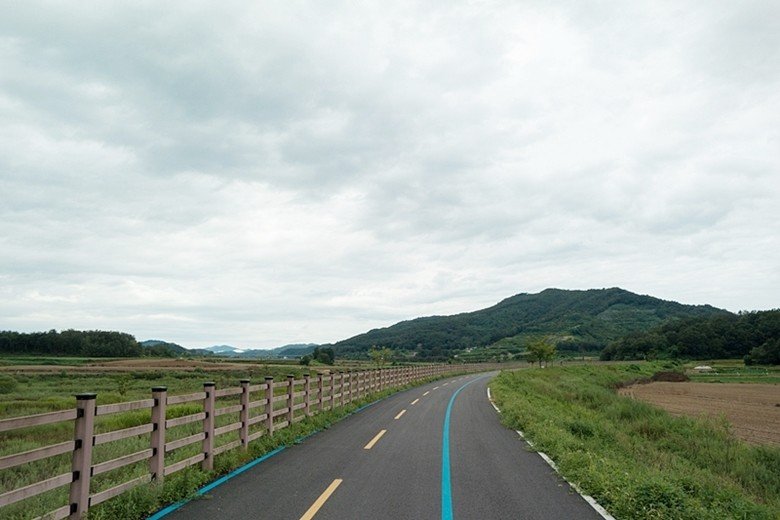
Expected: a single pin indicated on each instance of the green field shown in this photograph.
(636, 460)
(732, 371)
(49, 360)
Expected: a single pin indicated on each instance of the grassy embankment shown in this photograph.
(636, 460)
(38, 393)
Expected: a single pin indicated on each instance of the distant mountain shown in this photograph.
(225, 350)
(163, 348)
(577, 319)
(293, 350)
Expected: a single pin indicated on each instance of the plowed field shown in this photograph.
(752, 409)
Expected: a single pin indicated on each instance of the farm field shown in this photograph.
(731, 371)
(753, 410)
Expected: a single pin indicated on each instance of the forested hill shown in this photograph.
(578, 319)
(754, 336)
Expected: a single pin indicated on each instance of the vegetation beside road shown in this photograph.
(635, 459)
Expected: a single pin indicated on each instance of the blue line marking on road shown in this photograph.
(205, 489)
(446, 483)
(202, 491)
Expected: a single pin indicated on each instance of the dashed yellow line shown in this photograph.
(415, 401)
(308, 515)
(399, 414)
(374, 440)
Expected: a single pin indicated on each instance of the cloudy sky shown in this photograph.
(273, 172)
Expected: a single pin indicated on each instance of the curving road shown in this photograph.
(437, 451)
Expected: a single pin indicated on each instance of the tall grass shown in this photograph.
(636, 460)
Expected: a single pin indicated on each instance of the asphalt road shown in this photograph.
(404, 472)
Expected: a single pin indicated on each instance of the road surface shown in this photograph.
(436, 451)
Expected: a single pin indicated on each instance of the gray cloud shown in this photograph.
(301, 172)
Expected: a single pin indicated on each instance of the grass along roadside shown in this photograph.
(636, 460)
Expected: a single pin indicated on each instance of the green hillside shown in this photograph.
(579, 320)
(754, 336)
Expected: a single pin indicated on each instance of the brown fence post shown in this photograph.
(307, 394)
(290, 398)
(269, 405)
(332, 389)
(244, 415)
(82, 454)
(341, 388)
(320, 395)
(157, 462)
(208, 426)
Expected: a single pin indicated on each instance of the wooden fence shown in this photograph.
(261, 409)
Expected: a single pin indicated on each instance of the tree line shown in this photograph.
(753, 336)
(89, 343)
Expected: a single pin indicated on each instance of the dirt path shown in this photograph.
(752, 409)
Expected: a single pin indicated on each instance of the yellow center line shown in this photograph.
(415, 401)
(400, 414)
(308, 515)
(426, 393)
(374, 440)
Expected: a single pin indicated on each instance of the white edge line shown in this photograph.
(589, 499)
(490, 398)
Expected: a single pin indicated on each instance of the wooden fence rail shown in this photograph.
(282, 403)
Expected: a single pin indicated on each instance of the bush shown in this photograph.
(766, 354)
(7, 384)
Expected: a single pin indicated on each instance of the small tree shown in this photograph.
(324, 355)
(380, 356)
(540, 350)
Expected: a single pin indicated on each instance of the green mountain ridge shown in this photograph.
(577, 319)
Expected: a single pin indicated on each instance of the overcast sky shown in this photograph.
(278, 172)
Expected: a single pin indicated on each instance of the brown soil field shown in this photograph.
(753, 410)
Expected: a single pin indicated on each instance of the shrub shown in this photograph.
(7, 384)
